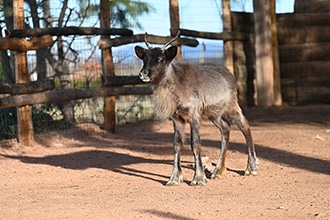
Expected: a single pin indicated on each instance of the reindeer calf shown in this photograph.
(187, 92)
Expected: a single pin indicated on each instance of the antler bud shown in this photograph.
(171, 41)
(146, 41)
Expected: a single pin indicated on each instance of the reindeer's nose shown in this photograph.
(144, 76)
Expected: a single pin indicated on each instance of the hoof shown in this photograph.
(251, 172)
(175, 180)
(198, 181)
(172, 183)
(216, 174)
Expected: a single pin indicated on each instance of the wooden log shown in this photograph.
(292, 28)
(264, 55)
(303, 35)
(22, 44)
(225, 35)
(121, 80)
(239, 53)
(305, 52)
(153, 39)
(241, 73)
(242, 22)
(175, 24)
(27, 88)
(304, 69)
(244, 68)
(295, 90)
(293, 20)
(228, 46)
(70, 94)
(66, 31)
(108, 69)
(311, 6)
(24, 113)
(276, 58)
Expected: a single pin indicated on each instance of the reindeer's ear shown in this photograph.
(171, 53)
(140, 52)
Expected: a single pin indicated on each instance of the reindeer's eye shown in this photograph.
(160, 59)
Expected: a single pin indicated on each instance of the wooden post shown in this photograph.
(264, 54)
(228, 45)
(109, 108)
(276, 58)
(24, 113)
(175, 23)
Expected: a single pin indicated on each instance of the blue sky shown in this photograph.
(198, 15)
(201, 15)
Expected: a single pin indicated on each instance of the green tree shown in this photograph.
(124, 13)
(62, 55)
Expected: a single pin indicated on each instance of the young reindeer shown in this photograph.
(187, 92)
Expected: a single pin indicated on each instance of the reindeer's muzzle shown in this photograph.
(144, 76)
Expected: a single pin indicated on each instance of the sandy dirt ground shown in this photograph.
(99, 175)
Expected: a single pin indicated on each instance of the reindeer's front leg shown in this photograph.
(199, 177)
(179, 135)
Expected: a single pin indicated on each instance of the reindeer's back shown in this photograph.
(216, 77)
(207, 82)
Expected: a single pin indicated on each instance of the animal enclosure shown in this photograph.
(76, 94)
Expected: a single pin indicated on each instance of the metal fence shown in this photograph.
(83, 63)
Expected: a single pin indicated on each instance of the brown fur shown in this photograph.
(185, 85)
(187, 92)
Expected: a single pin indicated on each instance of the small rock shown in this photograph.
(325, 215)
(318, 137)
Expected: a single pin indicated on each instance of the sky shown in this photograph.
(201, 15)
(198, 15)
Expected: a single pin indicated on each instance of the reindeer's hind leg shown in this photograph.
(220, 169)
(253, 161)
(179, 135)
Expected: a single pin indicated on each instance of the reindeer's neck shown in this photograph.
(165, 99)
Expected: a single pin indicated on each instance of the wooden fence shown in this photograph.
(304, 53)
(303, 48)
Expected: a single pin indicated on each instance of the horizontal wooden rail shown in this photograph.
(27, 88)
(70, 94)
(121, 80)
(22, 44)
(226, 35)
(66, 31)
(152, 39)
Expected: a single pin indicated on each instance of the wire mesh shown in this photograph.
(82, 67)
